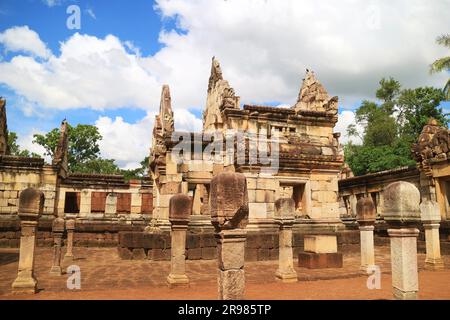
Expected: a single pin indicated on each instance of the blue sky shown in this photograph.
(109, 73)
(111, 17)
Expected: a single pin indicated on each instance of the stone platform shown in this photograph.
(102, 270)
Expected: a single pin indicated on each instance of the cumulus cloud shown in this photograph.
(264, 47)
(89, 72)
(129, 143)
(26, 142)
(23, 39)
(345, 119)
(51, 3)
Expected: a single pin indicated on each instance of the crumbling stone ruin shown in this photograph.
(298, 156)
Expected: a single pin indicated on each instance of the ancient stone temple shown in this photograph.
(431, 176)
(432, 153)
(306, 163)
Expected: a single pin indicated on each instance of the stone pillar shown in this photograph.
(401, 214)
(111, 205)
(70, 227)
(180, 207)
(31, 205)
(431, 217)
(58, 231)
(285, 217)
(366, 215)
(229, 216)
(85, 203)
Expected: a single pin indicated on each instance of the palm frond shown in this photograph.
(444, 40)
(447, 90)
(440, 65)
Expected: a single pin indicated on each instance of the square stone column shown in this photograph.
(366, 215)
(431, 217)
(320, 251)
(229, 216)
(180, 208)
(285, 217)
(111, 205)
(70, 227)
(367, 246)
(31, 205)
(58, 231)
(405, 277)
(402, 214)
(231, 252)
(85, 203)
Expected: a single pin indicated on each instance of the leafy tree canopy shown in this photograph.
(391, 126)
(84, 152)
(15, 149)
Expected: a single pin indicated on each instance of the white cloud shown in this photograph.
(129, 143)
(125, 142)
(52, 3)
(26, 142)
(264, 47)
(23, 39)
(346, 118)
(89, 72)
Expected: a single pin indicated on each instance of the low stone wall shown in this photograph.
(87, 233)
(260, 246)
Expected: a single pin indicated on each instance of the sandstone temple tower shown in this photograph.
(308, 155)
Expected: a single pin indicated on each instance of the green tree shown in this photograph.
(443, 64)
(83, 143)
(137, 173)
(417, 106)
(99, 165)
(84, 152)
(388, 92)
(83, 149)
(391, 127)
(15, 149)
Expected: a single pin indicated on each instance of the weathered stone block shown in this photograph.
(365, 211)
(170, 187)
(207, 240)
(180, 208)
(138, 254)
(320, 243)
(320, 260)
(194, 254)
(209, 253)
(160, 254)
(231, 254)
(231, 284)
(401, 203)
(229, 201)
(263, 254)
(257, 210)
(193, 241)
(251, 254)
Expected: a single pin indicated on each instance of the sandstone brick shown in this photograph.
(194, 254)
(251, 254)
(257, 210)
(267, 184)
(124, 253)
(209, 253)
